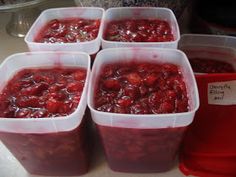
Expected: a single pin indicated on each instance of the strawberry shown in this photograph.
(112, 84)
(68, 31)
(42, 92)
(134, 78)
(138, 30)
(141, 88)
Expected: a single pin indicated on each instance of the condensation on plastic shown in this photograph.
(154, 55)
(19, 61)
(141, 13)
(90, 47)
(217, 47)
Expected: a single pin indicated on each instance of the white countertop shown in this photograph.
(10, 167)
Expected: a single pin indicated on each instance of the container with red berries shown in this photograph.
(140, 27)
(142, 100)
(209, 148)
(42, 111)
(67, 29)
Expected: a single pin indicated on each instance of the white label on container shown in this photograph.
(222, 93)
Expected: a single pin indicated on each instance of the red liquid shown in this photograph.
(209, 146)
(68, 31)
(41, 93)
(141, 88)
(141, 150)
(201, 65)
(145, 30)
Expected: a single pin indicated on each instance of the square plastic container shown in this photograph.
(149, 142)
(217, 47)
(141, 13)
(208, 147)
(48, 146)
(90, 47)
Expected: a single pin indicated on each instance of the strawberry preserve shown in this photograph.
(205, 65)
(141, 150)
(42, 93)
(141, 88)
(69, 30)
(51, 154)
(138, 30)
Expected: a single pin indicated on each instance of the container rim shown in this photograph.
(204, 36)
(26, 39)
(141, 43)
(45, 119)
(137, 116)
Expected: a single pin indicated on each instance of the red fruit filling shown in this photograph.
(52, 154)
(37, 93)
(68, 31)
(141, 150)
(142, 30)
(202, 65)
(141, 88)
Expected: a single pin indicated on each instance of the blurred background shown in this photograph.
(21, 14)
(195, 16)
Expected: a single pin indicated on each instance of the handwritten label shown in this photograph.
(222, 93)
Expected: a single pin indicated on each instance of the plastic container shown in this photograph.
(141, 13)
(90, 47)
(149, 142)
(48, 146)
(217, 47)
(209, 148)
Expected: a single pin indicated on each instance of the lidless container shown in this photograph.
(149, 142)
(141, 13)
(48, 146)
(209, 148)
(90, 47)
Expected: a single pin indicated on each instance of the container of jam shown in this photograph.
(140, 27)
(142, 100)
(42, 120)
(67, 29)
(208, 147)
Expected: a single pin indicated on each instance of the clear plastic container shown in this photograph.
(215, 47)
(141, 13)
(208, 147)
(48, 146)
(148, 142)
(90, 47)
